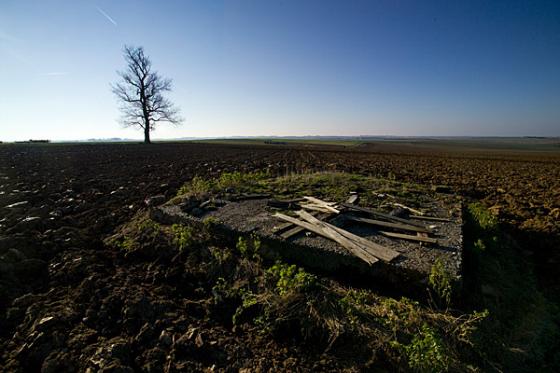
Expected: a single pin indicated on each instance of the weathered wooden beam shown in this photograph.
(315, 208)
(297, 229)
(381, 215)
(352, 199)
(379, 223)
(330, 233)
(414, 211)
(282, 227)
(321, 203)
(409, 237)
(373, 248)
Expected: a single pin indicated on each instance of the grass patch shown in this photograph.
(231, 182)
(332, 186)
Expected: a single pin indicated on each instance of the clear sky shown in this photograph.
(298, 67)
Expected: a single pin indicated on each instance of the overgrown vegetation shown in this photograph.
(226, 182)
(283, 301)
(330, 185)
(506, 323)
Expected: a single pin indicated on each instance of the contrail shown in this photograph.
(106, 15)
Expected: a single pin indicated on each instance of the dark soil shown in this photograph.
(68, 302)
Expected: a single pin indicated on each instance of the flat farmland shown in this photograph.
(60, 201)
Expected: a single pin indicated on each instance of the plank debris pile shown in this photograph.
(361, 247)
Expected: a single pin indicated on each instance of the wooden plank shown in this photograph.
(381, 215)
(297, 229)
(282, 227)
(408, 237)
(329, 233)
(321, 203)
(414, 211)
(432, 218)
(373, 248)
(292, 232)
(315, 208)
(379, 223)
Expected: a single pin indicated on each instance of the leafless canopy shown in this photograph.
(140, 93)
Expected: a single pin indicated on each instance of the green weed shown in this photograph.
(290, 278)
(248, 300)
(441, 282)
(196, 187)
(182, 236)
(352, 302)
(237, 180)
(249, 248)
(426, 352)
(483, 217)
(149, 228)
(127, 243)
(210, 221)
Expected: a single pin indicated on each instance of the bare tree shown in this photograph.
(140, 93)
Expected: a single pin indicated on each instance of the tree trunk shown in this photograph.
(147, 135)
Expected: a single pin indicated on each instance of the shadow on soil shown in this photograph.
(522, 331)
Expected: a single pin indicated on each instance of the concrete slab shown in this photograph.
(408, 273)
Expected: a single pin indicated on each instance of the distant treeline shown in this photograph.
(32, 141)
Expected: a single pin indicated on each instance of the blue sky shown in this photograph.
(419, 68)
